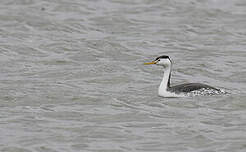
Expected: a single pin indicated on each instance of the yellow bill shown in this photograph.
(150, 63)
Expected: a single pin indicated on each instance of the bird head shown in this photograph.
(161, 60)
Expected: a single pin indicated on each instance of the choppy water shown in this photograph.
(72, 75)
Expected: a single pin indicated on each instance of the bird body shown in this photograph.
(188, 87)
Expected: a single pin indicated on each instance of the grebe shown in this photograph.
(165, 90)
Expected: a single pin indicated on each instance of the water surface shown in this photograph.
(72, 75)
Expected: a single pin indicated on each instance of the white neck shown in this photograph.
(164, 83)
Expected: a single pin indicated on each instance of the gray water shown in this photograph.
(72, 75)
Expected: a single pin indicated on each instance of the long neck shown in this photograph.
(165, 83)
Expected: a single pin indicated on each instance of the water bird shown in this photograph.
(187, 89)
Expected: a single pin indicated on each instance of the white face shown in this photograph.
(163, 62)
